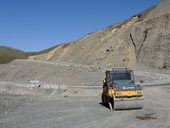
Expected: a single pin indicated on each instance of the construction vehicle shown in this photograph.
(120, 91)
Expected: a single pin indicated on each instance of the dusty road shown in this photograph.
(87, 112)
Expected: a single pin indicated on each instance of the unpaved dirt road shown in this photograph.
(88, 112)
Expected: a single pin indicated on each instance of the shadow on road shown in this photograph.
(104, 105)
(128, 109)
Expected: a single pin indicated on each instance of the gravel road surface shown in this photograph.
(71, 111)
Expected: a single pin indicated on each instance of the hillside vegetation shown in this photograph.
(7, 54)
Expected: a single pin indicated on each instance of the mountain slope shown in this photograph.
(151, 37)
(102, 48)
(143, 39)
(8, 54)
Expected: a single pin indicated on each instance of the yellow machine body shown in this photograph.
(112, 92)
(120, 90)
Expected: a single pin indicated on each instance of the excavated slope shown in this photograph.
(21, 71)
(143, 39)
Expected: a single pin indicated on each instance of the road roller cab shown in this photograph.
(119, 90)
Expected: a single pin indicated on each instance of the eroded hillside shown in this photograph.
(143, 39)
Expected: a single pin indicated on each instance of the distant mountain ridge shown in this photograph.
(8, 54)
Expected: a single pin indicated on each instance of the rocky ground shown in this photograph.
(85, 112)
(50, 73)
(68, 74)
(80, 106)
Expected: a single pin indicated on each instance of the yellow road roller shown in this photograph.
(120, 90)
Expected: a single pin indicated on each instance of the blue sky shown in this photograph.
(34, 25)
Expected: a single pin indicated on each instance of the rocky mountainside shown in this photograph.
(143, 39)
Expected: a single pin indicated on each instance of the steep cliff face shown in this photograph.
(151, 37)
(141, 40)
